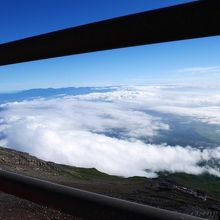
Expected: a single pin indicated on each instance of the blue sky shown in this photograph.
(192, 60)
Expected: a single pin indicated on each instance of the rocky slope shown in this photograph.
(195, 195)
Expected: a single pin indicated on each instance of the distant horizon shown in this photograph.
(112, 85)
(195, 60)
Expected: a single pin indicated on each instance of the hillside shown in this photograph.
(196, 195)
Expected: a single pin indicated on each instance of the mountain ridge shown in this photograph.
(49, 92)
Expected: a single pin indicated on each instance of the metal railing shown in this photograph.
(186, 21)
(81, 203)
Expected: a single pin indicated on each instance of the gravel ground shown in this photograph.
(13, 208)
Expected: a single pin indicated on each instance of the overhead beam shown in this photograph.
(186, 21)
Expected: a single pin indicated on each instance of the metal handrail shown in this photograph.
(81, 203)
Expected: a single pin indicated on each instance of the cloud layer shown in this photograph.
(104, 130)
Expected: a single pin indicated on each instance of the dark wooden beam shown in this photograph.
(186, 21)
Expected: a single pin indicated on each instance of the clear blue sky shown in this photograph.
(138, 65)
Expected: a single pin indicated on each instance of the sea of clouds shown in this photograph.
(105, 130)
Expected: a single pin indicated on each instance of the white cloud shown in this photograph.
(199, 70)
(103, 130)
(199, 102)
